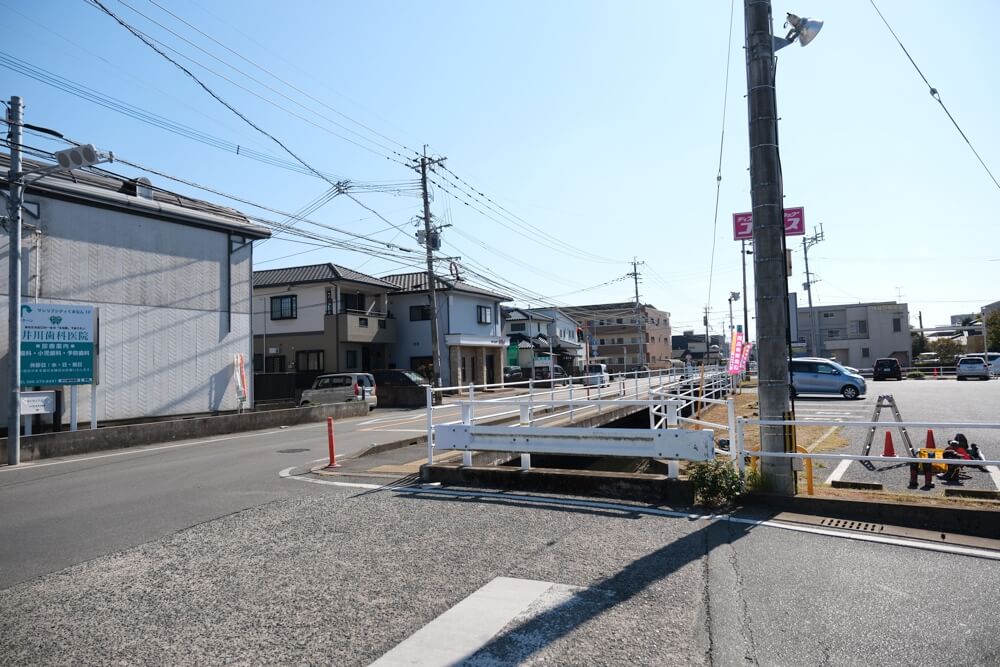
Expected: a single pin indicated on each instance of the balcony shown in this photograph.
(359, 327)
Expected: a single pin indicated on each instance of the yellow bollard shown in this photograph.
(809, 471)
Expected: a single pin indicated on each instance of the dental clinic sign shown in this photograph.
(57, 344)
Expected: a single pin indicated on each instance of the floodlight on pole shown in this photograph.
(804, 30)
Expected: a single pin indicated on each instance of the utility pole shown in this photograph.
(808, 242)
(424, 164)
(707, 339)
(639, 324)
(771, 283)
(16, 180)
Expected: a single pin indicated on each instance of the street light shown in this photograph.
(771, 281)
(76, 157)
(733, 296)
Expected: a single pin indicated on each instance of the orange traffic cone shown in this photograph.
(930, 439)
(888, 451)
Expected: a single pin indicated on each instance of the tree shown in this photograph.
(946, 349)
(993, 331)
(918, 343)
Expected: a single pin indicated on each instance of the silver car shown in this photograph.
(814, 375)
(972, 367)
(341, 388)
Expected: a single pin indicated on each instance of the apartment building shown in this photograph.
(857, 334)
(625, 337)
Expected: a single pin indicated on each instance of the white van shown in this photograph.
(596, 375)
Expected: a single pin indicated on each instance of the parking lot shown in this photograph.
(946, 401)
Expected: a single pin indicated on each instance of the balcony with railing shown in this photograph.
(356, 326)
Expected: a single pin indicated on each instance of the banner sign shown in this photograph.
(746, 354)
(795, 224)
(736, 353)
(240, 377)
(57, 344)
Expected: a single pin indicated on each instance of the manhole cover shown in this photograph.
(293, 451)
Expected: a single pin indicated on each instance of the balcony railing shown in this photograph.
(360, 327)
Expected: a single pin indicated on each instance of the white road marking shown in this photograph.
(458, 633)
(30, 465)
(287, 474)
(994, 475)
(838, 472)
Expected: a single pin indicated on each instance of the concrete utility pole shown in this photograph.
(639, 324)
(771, 284)
(808, 242)
(707, 339)
(16, 181)
(424, 163)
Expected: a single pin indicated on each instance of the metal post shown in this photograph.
(93, 406)
(531, 398)
(769, 242)
(430, 423)
(15, 178)
(731, 416)
(72, 408)
(571, 402)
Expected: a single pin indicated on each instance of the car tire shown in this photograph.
(850, 392)
(960, 378)
(791, 392)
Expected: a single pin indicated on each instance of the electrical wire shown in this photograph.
(936, 95)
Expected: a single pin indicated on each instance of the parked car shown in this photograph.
(396, 377)
(993, 359)
(341, 388)
(886, 368)
(542, 375)
(972, 367)
(596, 375)
(813, 375)
(512, 374)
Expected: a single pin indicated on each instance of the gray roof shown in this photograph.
(417, 282)
(523, 315)
(119, 192)
(315, 273)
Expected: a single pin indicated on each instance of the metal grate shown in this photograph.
(292, 451)
(853, 525)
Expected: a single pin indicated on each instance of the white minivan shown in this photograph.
(596, 375)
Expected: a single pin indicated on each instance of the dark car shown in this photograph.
(887, 368)
(395, 377)
(512, 374)
(542, 376)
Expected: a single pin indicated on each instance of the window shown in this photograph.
(865, 353)
(833, 333)
(258, 363)
(329, 301)
(351, 359)
(618, 321)
(600, 341)
(284, 307)
(309, 360)
(863, 327)
(420, 313)
(363, 322)
(274, 363)
(517, 326)
(484, 314)
(828, 315)
(381, 324)
(825, 369)
(897, 325)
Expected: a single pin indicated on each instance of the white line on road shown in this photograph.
(994, 475)
(838, 472)
(287, 474)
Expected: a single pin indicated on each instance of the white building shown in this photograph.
(859, 333)
(472, 344)
(171, 279)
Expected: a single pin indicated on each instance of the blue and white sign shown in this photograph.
(57, 344)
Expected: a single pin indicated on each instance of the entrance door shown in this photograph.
(366, 357)
(490, 370)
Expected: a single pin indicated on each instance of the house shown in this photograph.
(169, 276)
(320, 318)
(527, 337)
(625, 335)
(857, 334)
(555, 327)
(691, 346)
(470, 334)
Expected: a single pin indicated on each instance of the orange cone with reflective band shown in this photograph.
(888, 451)
(331, 443)
(930, 439)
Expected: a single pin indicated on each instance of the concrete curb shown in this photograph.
(966, 521)
(631, 486)
(66, 443)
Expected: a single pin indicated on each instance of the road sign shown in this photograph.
(795, 224)
(57, 344)
(37, 402)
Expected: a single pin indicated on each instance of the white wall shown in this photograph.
(311, 310)
(166, 340)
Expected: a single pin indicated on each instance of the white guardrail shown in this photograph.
(665, 392)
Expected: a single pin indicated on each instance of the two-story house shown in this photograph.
(857, 334)
(168, 275)
(320, 318)
(527, 336)
(470, 335)
(565, 334)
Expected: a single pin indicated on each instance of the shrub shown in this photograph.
(716, 483)
(915, 375)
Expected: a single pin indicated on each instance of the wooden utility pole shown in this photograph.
(423, 164)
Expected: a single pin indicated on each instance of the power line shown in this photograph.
(936, 95)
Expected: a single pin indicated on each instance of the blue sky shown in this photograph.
(593, 130)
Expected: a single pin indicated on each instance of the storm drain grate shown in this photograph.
(852, 525)
(293, 451)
